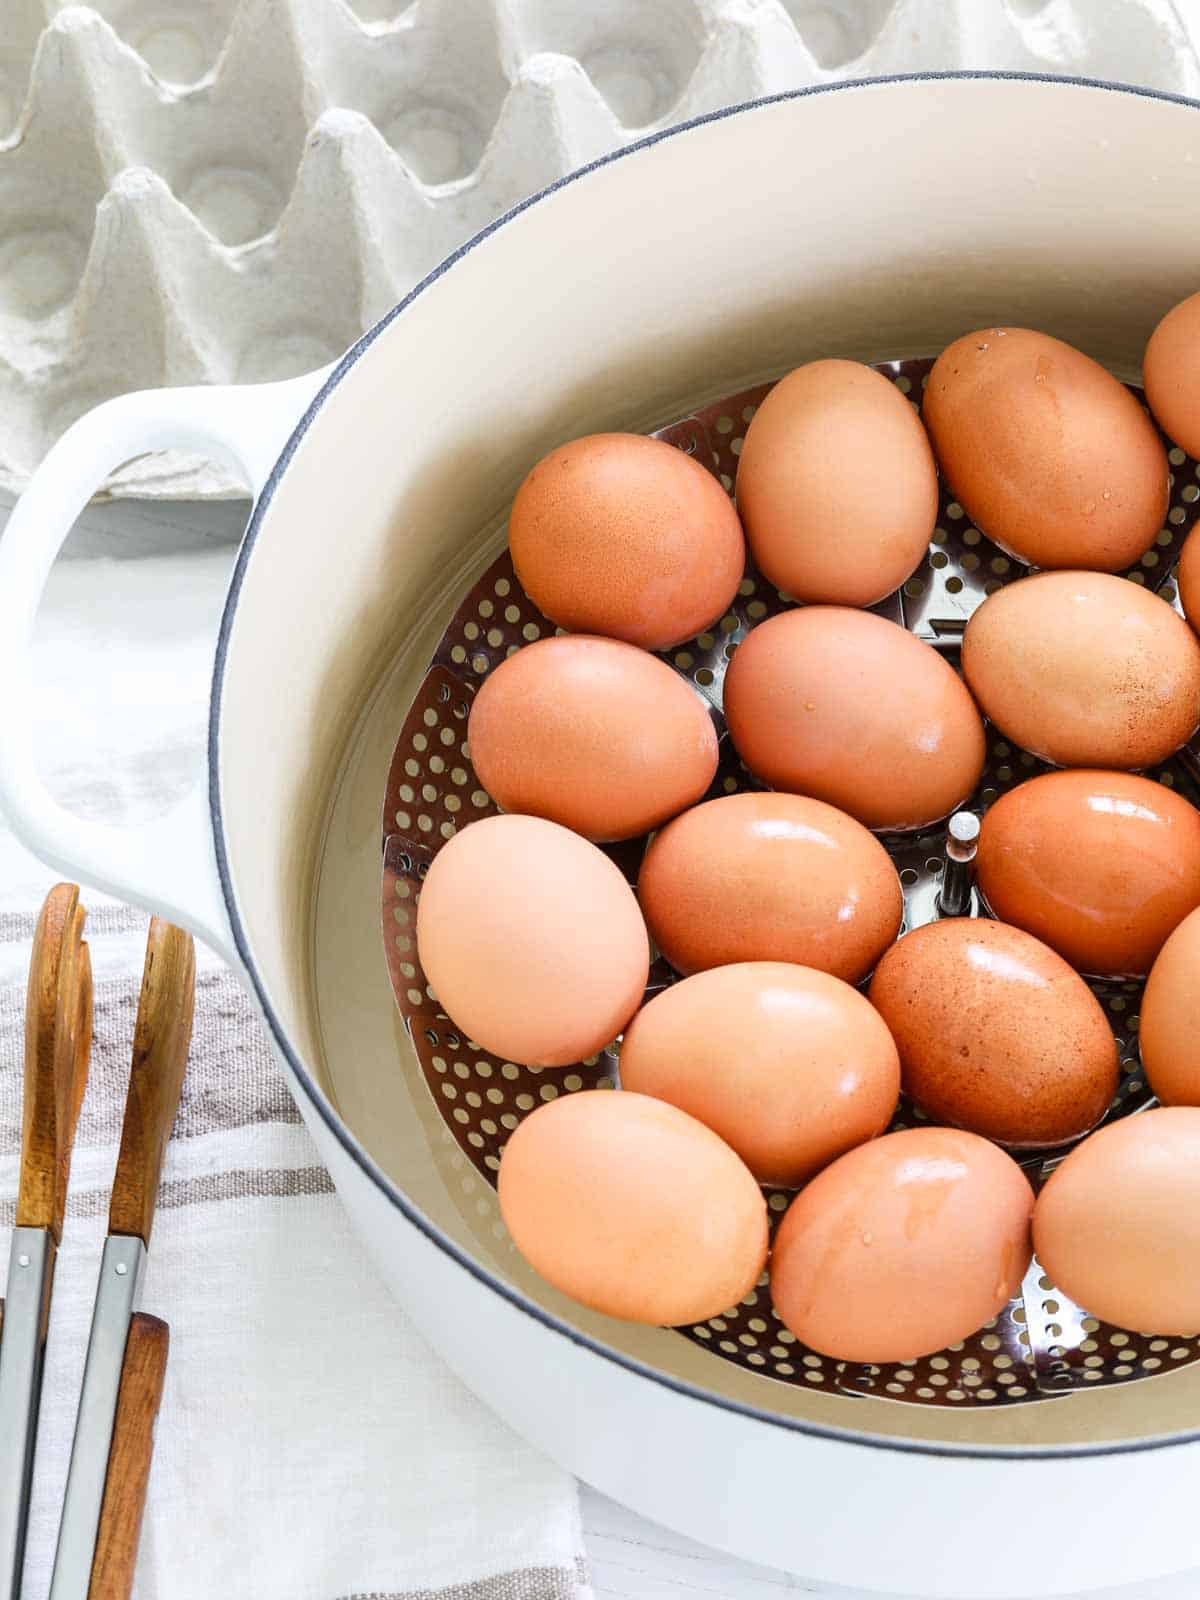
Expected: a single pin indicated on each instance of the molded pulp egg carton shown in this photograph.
(230, 191)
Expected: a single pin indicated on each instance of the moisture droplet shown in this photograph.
(1089, 507)
(1107, 495)
(866, 1238)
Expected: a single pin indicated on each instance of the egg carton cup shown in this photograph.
(232, 191)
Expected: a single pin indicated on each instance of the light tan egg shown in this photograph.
(592, 733)
(532, 940)
(790, 1066)
(902, 1247)
(1169, 1031)
(770, 877)
(836, 485)
(1117, 1227)
(1085, 670)
(1171, 374)
(823, 700)
(1048, 453)
(626, 536)
(632, 1207)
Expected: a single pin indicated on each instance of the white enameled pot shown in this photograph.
(869, 220)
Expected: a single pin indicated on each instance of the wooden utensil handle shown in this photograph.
(138, 1402)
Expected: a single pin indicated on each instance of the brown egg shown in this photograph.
(1100, 865)
(996, 1033)
(902, 1247)
(1188, 576)
(1169, 1032)
(532, 940)
(1171, 374)
(626, 536)
(836, 485)
(1085, 670)
(1117, 1227)
(770, 877)
(633, 1208)
(594, 734)
(822, 700)
(790, 1066)
(1050, 456)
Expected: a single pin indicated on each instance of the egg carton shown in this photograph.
(232, 191)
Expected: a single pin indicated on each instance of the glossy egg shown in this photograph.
(902, 1247)
(770, 877)
(790, 1066)
(626, 536)
(996, 1032)
(633, 1207)
(822, 700)
(1085, 670)
(592, 733)
(1188, 575)
(836, 485)
(1048, 453)
(1117, 1227)
(1102, 866)
(1171, 374)
(1169, 1033)
(532, 940)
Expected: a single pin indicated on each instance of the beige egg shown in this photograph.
(1169, 1032)
(532, 940)
(1048, 453)
(592, 733)
(790, 1066)
(1085, 670)
(770, 877)
(836, 485)
(902, 1247)
(996, 1033)
(1171, 374)
(632, 1207)
(821, 701)
(1117, 1227)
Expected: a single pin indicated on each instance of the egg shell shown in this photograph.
(1188, 576)
(996, 1033)
(1117, 1227)
(628, 537)
(1171, 374)
(836, 485)
(821, 700)
(532, 940)
(790, 1066)
(902, 1247)
(1051, 457)
(1169, 1030)
(632, 1207)
(1102, 866)
(770, 877)
(1085, 670)
(592, 733)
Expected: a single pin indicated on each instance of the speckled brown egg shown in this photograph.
(996, 1033)
(770, 877)
(836, 485)
(1048, 453)
(1171, 374)
(1169, 1033)
(1117, 1227)
(822, 700)
(1188, 575)
(632, 1207)
(902, 1247)
(592, 733)
(1085, 670)
(790, 1066)
(532, 940)
(626, 536)
(1102, 866)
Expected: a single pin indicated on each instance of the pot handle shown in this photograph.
(168, 865)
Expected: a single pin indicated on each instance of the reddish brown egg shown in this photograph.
(790, 1066)
(1171, 374)
(626, 536)
(1048, 453)
(594, 734)
(996, 1032)
(770, 877)
(1102, 866)
(822, 700)
(1169, 1033)
(1189, 579)
(903, 1246)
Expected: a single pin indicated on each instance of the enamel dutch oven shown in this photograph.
(871, 220)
